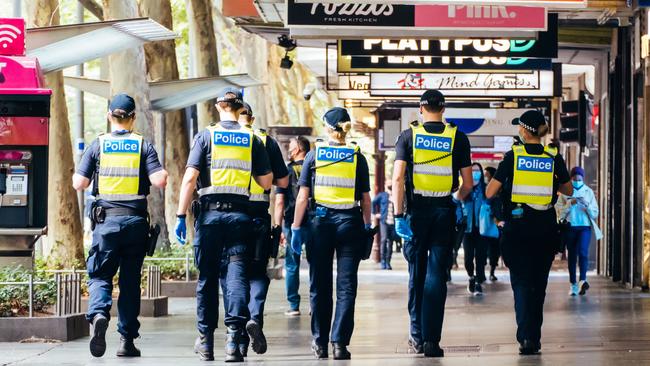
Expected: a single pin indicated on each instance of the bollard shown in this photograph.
(187, 267)
(31, 295)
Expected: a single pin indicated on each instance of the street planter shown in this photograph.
(178, 288)
(61, 328)
(150, 307)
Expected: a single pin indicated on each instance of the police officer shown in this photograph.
(428, 160)
(285, 201)
(336, 178)
(222, 160)
(264, 241)
(530, 175)
(122, 166)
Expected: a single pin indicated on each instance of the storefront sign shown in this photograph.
(545, 46)
(556, 4)
(351, 64)
(459, 17)
(535, 83)
(475, 121)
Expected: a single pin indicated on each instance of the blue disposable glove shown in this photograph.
(181, 230)
(403, 229)
(296, 240)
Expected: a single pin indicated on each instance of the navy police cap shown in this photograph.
(432, 98)
(122, 106)
(530, 120)
(335, 116)
(236, 96)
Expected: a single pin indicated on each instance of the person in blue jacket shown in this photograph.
(474, 244)
(580, 210)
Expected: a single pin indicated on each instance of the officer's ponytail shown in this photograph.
(542, 130)
(342, 130)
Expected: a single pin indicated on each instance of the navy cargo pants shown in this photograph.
(258, 280)
(433, 230)
(339, 232)
(216, 232)
(119, 242)
(529, 247)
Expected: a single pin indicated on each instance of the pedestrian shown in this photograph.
(530, 176)
(382, 208)
(122, 166)
(580, 210)
(429, 158)
(335, 178)
(496, 216)
(285, 201)
(263, 240)
(222, 160)
(475, 245)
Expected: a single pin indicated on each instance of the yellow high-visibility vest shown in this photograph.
(432, 161)
(231, 161)
(335, 175)
(532, 181)
(119, 167)
(257, 192)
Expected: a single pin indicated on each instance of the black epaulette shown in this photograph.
(320, 140)
(261, 130)
(415, 123)
(452, 124)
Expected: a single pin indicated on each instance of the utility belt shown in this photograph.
(201, 206)
(98, 215)
(317, 210)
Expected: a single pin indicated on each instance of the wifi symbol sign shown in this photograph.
(8, 34)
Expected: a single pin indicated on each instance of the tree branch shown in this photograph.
(94, 8)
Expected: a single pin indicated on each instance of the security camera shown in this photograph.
(309, 91)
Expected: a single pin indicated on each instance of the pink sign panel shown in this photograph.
(12, 36)
(31, 131)
(470, 17)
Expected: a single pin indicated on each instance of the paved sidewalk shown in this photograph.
(609, 326)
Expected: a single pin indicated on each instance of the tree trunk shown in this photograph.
(206, 61)
(128, 74)
(65, 234)
(162, 66)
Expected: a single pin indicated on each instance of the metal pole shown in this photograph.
(187, 267)
(31, 295)
(79, 116)
(18, 11)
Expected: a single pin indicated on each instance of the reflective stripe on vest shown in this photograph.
(532, 181)
(432, 161)
(231, 161)
(334, 181)
(119, 167)
(257, 192)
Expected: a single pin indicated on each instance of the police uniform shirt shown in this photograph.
(362, 177)
(200, 158)
(276, 161)
(461, 156)
(289, 198)
(89, 168)
(505, 173)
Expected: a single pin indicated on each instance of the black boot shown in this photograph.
(127, 348)
(98, 341)
(433, 350)
(233, 354)
(254, 330)
(528, 347)
(204, 347)
(319, 351)
(340, 352)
